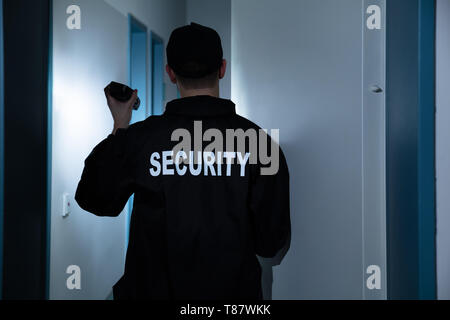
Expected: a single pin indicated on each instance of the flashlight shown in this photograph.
(122, 93)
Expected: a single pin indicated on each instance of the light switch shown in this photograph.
(66, 205)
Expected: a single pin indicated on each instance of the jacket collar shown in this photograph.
(200, 106)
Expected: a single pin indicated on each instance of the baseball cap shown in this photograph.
(194, 51)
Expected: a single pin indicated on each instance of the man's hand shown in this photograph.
(120, 111)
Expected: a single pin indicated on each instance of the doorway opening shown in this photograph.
(158, 87)
(137, 78)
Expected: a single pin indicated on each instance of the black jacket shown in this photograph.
(191, 236)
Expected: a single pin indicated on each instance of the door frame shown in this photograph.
(427, 150)
(411, 214)
(134, 23)
(2, 143)
(49, 151)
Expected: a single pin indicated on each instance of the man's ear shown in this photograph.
(223, 69)
(171, 74)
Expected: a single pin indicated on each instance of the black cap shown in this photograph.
(194, 51)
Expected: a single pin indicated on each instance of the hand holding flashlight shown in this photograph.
(120, 111)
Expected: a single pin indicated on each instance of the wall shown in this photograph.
(217, 15)
(298, 66)
(84, 61)
(442, 148)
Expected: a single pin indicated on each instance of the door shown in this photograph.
(310, 69)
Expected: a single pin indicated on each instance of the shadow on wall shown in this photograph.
(267, 265)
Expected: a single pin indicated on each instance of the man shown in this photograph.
(199, 219)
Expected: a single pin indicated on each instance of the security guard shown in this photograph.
(194, 233)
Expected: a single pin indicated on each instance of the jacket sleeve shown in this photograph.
(269, 206)
(107, 180)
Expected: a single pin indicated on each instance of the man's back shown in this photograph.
(196, 226)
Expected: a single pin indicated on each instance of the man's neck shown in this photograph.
(214, 92)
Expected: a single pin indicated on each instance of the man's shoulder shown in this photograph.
(141, 131)
(158, 124)
(150, 123)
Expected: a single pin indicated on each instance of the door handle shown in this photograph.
(376, 89)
